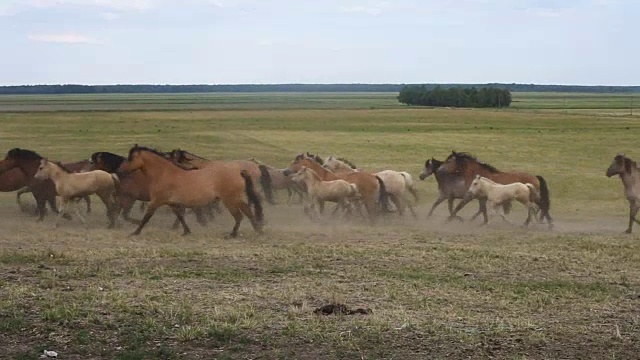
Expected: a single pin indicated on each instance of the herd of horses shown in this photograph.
(182, 180)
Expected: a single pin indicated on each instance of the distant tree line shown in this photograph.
(455, 96)
(108, 89)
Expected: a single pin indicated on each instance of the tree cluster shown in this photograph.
(455, 96)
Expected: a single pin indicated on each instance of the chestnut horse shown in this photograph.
(133, 186)
(629, 173)
(28, 162)
(371, 187)
(179, 188)
(259, 173)
(468, 166)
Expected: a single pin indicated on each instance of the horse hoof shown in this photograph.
(628, 231)
(186, 233)
(135, 233)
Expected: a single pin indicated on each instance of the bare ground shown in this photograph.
(436, 289)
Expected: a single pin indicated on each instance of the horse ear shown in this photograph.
(477, 176)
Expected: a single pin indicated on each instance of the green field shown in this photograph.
(437, 290)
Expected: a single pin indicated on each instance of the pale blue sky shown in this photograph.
(584, 42)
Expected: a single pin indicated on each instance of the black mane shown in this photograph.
(628, 163)
(436, 163)
(315, 157)
(159, 153)
(462, 157)
(352, 165)
(110, 160)
(23, 154)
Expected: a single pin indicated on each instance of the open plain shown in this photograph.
(436, 289)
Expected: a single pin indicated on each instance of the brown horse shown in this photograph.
(133, 186)
(371, 187)
(259, 173)
(468, 166)
(179, 188)
(28, 161)
(629, 173)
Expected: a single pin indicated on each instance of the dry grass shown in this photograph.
(436, 290)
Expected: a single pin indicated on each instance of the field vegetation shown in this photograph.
(436, 289)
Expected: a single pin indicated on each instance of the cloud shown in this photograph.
(67, 38)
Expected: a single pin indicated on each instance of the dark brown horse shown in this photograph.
(374, 194)
(179, 188)
(133, 186)
(469, 166)
(629, 173)
(28, 161)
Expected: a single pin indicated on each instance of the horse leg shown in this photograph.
(179, 211)
(108, 199)
(461, 204)
(246, 209)
(237, 216)
(413, 210)
(24, 190)
(289, 194)
(531, 213)
(126, 205)
(62, 210)
(397, 201)
(633, 210)
(151, 209)
(439, 201)
(87, 199)
(496, 208)
(76, 207)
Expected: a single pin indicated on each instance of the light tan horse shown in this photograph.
(499, 194)
(398, 183)
(629, 173)
(73, 186)
(372, 189)
(338, 191)
(179, 188)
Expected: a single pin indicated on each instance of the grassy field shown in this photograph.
(436, 290)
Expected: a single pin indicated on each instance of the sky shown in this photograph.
(578, 42)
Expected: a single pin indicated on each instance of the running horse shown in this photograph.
(28, 162)
(133, 186)
(181, 188)
(629, 173)
(74, 185)
(259, 173)
(372, 189)
(469, 166)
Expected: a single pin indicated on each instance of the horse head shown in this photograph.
(620, 165)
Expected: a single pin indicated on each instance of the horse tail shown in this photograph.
(409, 184)
(266, 183)
(545, 201)
(383, 195)
(252, 196)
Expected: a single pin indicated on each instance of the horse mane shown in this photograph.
(628, 163)
(64, 168)
(158, 153)
(23, 154)
(113, 161)
(436, 163)
(349, 163)
(315, 157)
(462, 157)
(185, 152)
